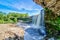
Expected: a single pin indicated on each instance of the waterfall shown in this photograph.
(42, 18)
(38, 21)
(36, 31)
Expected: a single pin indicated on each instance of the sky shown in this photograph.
(21, 6)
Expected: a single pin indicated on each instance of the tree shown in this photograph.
(12, 17)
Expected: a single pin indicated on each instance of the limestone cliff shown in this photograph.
(54, 5)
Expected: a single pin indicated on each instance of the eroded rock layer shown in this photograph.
(54, 5)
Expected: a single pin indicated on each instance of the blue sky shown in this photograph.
(22, 6)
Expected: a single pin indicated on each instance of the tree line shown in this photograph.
(13, 17)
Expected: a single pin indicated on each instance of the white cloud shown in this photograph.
(27, 6)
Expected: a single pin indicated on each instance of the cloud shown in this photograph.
(26, 6)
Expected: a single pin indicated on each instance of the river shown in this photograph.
(36, 29)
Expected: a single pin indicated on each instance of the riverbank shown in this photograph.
(10, 31)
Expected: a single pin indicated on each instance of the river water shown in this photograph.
(35, 30)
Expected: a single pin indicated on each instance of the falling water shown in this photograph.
(36, 31)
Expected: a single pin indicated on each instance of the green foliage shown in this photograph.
(12, 17)
(52, 22)
(48, 10)
(1, 21)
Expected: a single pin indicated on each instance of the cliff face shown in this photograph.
(54, 5)
(52, 16)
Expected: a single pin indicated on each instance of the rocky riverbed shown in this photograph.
(11, 32)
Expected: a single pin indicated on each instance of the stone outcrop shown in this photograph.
(54, 5)
(11, 31)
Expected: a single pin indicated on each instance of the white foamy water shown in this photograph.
(36, 29)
